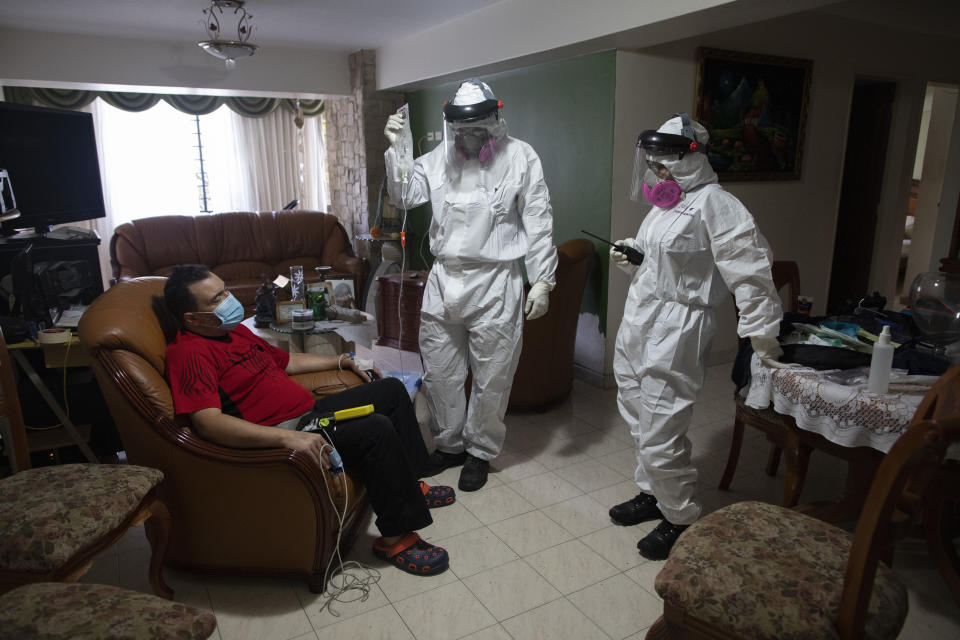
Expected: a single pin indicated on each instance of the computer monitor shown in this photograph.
(50, 156)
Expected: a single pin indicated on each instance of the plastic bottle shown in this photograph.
(881, 363)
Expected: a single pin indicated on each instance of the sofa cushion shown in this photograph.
(49, 514)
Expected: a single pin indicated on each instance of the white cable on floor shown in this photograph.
(355, 576)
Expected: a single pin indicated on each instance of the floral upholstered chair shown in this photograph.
(55, 520)
(94, 611)
(756, 570)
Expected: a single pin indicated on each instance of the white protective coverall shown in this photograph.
(486, 217)
(695, 252)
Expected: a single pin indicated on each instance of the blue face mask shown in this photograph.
(230, 312)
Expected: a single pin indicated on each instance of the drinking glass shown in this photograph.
(296, 282)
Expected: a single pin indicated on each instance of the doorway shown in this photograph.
(931, 232)
(870, 116)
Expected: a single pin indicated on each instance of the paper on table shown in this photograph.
(70, 318)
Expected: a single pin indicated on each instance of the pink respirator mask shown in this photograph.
(465, 150)
(664, 194)
(485, 153)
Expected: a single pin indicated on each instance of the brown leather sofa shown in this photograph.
(238, 247)
(545, 372)
(235, 511)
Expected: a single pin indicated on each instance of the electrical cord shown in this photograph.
(66, 401)
(354, 576)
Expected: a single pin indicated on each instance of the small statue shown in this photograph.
(265, 301)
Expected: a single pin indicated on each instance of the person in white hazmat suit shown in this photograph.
(491, 207)
(699, 243)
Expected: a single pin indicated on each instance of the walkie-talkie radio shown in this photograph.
(633, 256)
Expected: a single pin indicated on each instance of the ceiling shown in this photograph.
(338, 25)
(349, 25)
(932, 17)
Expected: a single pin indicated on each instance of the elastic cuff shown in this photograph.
(549, 286)
(482, 455)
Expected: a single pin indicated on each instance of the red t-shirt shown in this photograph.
(238, 373)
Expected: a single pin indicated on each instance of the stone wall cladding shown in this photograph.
(355, 145)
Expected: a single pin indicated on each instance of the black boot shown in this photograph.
(474, 474)
(440, 460)
(657, 544)
(638, 509)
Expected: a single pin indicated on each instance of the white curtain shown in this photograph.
(271, 163)
(149, 164)
(316, 183)
(103, 226)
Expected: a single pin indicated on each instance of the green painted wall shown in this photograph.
(565, 111)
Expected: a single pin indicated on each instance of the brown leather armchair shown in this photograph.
(545, 371)
(234, 511)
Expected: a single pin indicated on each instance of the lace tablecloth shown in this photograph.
(848, 415)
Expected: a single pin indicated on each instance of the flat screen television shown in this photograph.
(51, 158)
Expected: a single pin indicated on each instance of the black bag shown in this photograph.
(14, 329)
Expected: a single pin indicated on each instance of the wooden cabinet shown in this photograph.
(398, 312)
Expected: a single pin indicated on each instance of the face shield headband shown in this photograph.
(464, 113)
(655, 143)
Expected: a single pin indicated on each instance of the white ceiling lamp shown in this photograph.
(221, 20)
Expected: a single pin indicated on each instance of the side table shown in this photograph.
(330, 337)
(398, 316)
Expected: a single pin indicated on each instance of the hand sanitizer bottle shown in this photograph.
(881, 363)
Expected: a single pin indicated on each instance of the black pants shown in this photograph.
(386, 449)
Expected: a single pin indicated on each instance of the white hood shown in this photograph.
(693, 170)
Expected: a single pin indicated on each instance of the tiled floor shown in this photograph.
(533, 554)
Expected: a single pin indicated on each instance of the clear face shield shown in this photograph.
(648, 169)
(475, 140)
(656, 152)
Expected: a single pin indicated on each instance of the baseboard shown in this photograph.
(591, 377)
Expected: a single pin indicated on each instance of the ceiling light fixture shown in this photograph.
(220, 44)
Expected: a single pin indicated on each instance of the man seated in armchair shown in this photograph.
(237, 392)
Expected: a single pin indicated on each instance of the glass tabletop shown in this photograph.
(319, 326)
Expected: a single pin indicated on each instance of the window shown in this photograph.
(162, 161)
